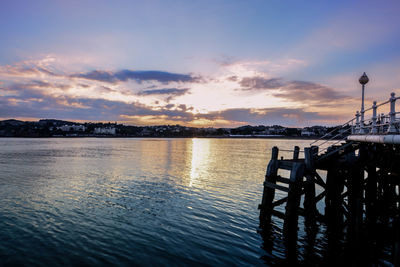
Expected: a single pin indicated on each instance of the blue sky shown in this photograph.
(198, 63)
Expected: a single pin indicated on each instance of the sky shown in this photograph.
(196, 63)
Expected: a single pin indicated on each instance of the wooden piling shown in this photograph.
(296, 152)
(292, 209)
(269, 192)
(355, 187)
(309, 199)
(396, 245)
(331, 197)
(371, 194)
(384, 198)
(294, 196)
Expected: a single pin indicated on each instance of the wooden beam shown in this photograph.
(280, 201)
(278, 214)
(285, 164)
(320, 196)
(282, 179)
(276, 186)
(319, 180)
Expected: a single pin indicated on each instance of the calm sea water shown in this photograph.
(89, 201)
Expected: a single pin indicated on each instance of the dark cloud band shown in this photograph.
(138, 76)
(166, 91)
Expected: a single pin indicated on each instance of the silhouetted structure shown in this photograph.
(360, 191)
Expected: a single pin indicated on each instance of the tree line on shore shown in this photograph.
(60, 128)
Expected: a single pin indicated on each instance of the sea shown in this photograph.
(145, 202)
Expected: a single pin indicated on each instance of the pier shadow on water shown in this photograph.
(332, 240)
(350, 219)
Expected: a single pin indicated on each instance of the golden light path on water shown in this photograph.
(200, 159)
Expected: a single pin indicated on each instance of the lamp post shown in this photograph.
(363, 80)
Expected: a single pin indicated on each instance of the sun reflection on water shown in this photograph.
(200, 159)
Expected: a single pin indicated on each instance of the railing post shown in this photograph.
(382, 128)
(392, 114)
(358, 122)
(374, 129)
(362, 126)
(352, 127)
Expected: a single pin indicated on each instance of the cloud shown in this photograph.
(260, 83)
(276, 67)
(44, 85)
(167, 91)
(211, 101)
(309, 92)
(138, 76)
(269, 116)
(25, 100)
(97, 75)
(105, 89)
(29, 68)
(298, 91)
(42, 106)
(232, 78)
(170, 93)
(34, 103)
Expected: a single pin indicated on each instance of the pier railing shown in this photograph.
(335, 136)
(367, 122)
(378, 123)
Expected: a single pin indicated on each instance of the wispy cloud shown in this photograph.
(260, 83)
(138, 76)
(297, 91)
(267, 116)
(166, 91)
(170, 93)
(228, 98)
(309, 92)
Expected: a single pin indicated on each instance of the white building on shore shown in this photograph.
(72, 128)
(107, 130)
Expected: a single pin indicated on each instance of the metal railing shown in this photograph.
(377, 124)
(334, 137)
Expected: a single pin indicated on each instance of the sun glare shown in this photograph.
(200, 160)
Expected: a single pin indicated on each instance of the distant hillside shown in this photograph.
(60, 128)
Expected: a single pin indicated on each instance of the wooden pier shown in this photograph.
(357, 169)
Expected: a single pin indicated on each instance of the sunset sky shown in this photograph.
(197, 63)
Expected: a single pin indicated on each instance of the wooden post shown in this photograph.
(356, 192)
(396, 226)
(332, 176)
(392, 193)
(294, 195)
(396, 245)
(371, 191)
(296, 152)
(292, 209)
(383, 196)
(269, 193)
(309, 200)
(311, 227)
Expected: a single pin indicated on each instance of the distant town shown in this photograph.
(60, 128)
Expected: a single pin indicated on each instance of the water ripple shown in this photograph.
(68, 202)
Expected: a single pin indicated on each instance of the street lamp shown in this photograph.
(363, 80)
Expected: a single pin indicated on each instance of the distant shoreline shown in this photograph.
(65, 129)
(171, 137)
